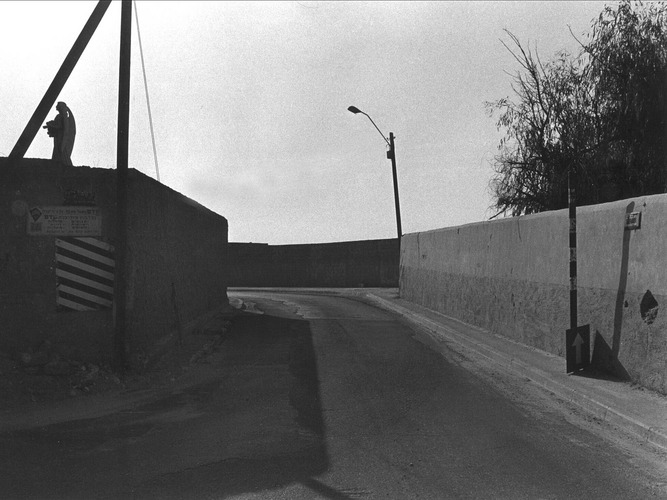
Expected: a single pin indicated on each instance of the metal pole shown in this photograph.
(391, 154)
(120, 292)
(43, 108)
(572, 205)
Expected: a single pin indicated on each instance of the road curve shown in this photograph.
(326, 397)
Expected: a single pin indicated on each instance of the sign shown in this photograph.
(633, 220)
(578, 348)
(64, 221)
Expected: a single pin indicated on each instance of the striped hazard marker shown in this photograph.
(84, 274)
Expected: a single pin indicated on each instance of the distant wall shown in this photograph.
(176, 270)
(371, 263)
(511, 276)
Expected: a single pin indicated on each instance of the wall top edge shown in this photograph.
(48, 169)
(640, 201)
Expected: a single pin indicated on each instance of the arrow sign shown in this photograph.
(578, 348)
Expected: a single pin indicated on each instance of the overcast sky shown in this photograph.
(249, 103)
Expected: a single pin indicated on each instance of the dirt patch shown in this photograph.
(42, 377)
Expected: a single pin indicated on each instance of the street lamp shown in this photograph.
(391, 154)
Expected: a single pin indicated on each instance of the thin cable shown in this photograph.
(148, 102)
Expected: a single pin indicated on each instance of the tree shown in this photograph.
(601, 112)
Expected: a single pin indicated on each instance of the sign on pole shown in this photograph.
(578, 348)
(577, 338)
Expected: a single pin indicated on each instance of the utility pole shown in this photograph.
(120, 283)
(391, 154)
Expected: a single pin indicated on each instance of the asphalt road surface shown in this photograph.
(325, 397)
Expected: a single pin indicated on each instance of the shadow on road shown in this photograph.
(271, 400)
(257, 426)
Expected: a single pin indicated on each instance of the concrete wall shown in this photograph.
(28, 313)
(372, 263)
(511, 276)
(176, 263)
(177, 269)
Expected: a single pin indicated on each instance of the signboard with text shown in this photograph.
(64, 221)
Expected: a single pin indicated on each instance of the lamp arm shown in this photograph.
(385, 139)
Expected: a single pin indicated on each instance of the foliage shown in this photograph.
(601, 113)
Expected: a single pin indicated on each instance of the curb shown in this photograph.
(598, 409)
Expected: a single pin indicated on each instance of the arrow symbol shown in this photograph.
(578, 341)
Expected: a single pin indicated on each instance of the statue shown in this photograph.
(63, 130)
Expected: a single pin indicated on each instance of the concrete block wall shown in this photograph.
(511, 277)
(176, 263)
(28, 312)
(176, 260)
(371, 263)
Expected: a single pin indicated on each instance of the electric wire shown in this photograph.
(148, 102)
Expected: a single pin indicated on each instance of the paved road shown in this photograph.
(324, 397)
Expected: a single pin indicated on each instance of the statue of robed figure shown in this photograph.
(63, 130)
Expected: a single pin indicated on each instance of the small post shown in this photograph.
(120, 288)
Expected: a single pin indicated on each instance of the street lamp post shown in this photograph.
(391, 155)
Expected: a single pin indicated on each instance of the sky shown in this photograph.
(249, 103)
